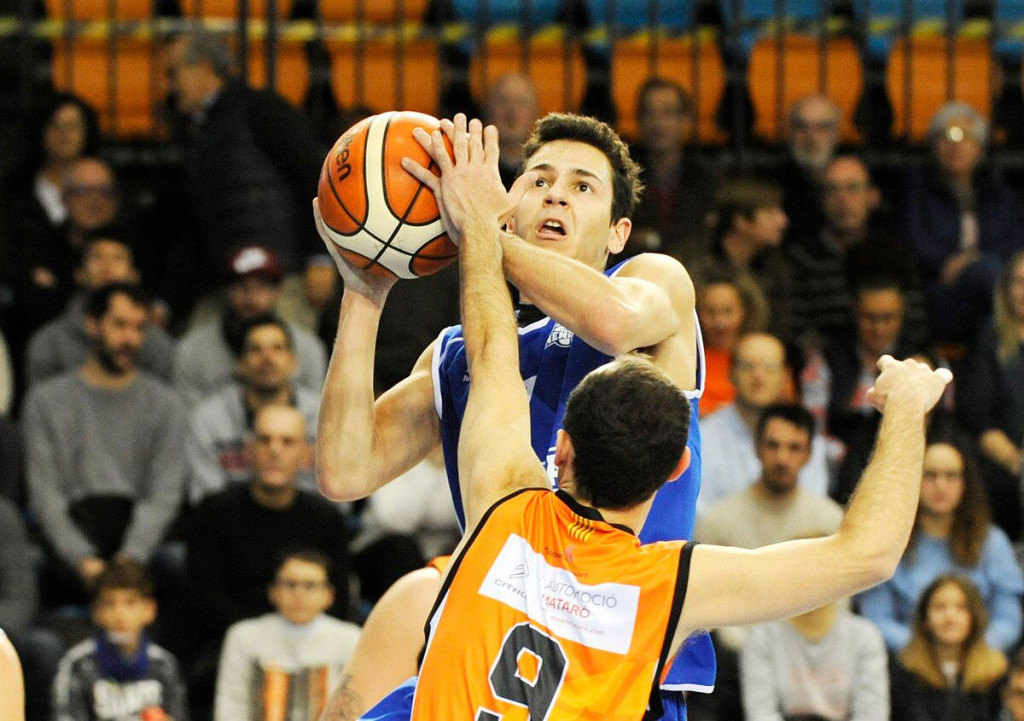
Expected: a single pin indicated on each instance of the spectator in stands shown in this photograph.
(404, 524)
(120, 673)
(236, 535)
(63, 344)
(1012, 693)
(812, 129)
(990, 393)
(39, 649)
(855, 241)
(251, 163)
(947, 670)
(221, 425)
(963, 223)
(952, 534)
(511, 106)
(827, 664)
(731, 460)
(774, 507)
(839, 377)
(42, 266)
(282, 665)
(105, 447)
(747, 227)
(679, 190)
(207, 355)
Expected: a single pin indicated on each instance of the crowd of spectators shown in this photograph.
(159, 400)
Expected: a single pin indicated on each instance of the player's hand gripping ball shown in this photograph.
(380, 218)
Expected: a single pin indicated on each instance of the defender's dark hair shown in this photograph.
(124, 574)
(626, 185)
(629, 424)
(793, 413)
(98, 301)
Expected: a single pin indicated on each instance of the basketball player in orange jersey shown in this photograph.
(551, 608)
(571, 219)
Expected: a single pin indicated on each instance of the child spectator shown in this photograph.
(119, 673)
(282, 665)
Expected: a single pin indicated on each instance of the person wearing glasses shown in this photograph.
(281, 665)
(962, 221)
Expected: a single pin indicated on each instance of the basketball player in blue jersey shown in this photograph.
(572, 216)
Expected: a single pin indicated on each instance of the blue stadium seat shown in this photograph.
(631, 15)
(1008, 16)
(748, 20)
(495, 12)
(885, 20)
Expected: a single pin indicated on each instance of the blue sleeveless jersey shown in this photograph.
(552, 361)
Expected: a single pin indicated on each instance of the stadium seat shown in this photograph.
(554, 63)
(806, 66)
(386, 74)
(383, 12)
(498, 12)
(884, 21)
(114, 76)
(99, 9)
(748, 20)
(630, 15)
(292, 69)
(1008, 17)
(229, 9)
(920, 79)
(696, 64)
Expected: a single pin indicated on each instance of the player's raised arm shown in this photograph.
(733, 587)
(495, 455)
(362, 444)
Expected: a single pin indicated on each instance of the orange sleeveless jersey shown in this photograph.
(551, 613)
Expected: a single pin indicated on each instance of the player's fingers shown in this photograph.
(476, 141)
(319, 219)
(491, 148)
(422, 174)
(426, 141)
(460, 143)
(448, 128)
(945, 374)
(887, 361)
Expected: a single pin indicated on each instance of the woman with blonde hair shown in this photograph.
(952, 534)
(947, 672)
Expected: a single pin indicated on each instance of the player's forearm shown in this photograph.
(583, 299)
(881, 514)
(345, 431)
(488, 324)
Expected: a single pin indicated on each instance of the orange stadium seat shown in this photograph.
(932, 81)
(117, 77)
(384, 12)
(805, 65)
(292, 69)
(696, 64)
(229, 8)
(99, 9)
(386, 74)
(556, 66)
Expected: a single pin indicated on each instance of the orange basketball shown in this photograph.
(380, 217)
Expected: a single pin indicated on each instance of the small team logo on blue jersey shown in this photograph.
(560, 336)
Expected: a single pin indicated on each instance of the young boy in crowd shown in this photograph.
(283, 665)
(119, 674)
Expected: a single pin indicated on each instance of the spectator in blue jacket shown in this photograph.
(952, 534)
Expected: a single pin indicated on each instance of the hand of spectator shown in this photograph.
(358, 281)
(89, 568)
(953, 267)
(908, 379)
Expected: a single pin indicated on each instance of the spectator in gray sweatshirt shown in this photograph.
(105, 450)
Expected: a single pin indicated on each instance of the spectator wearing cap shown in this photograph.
(63, 344)
(207, 355)
(963, 223)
